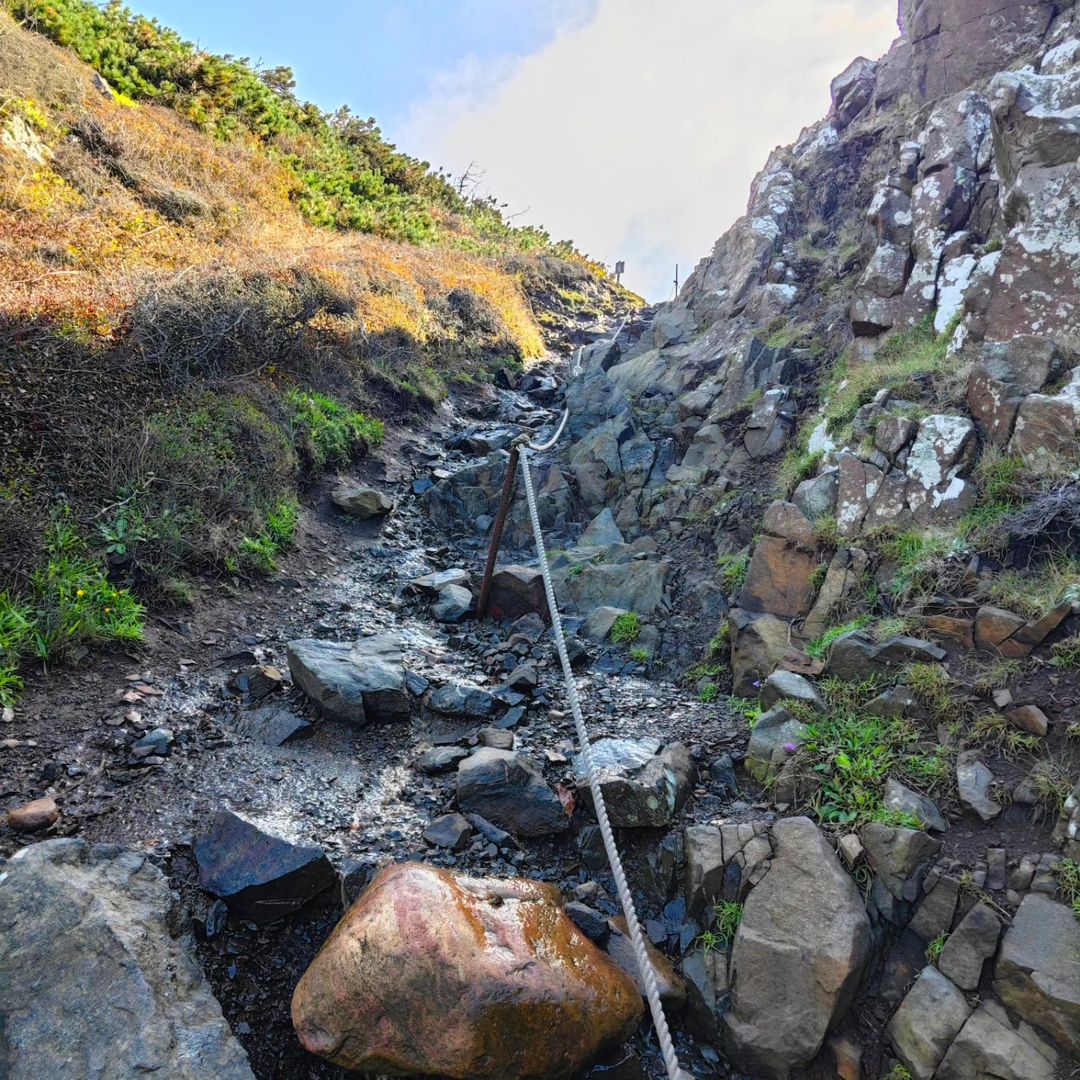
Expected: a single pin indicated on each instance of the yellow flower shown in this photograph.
(80, 592)
(107, 610)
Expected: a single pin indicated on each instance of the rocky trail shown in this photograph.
(143, 750)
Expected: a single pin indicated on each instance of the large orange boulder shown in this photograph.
(434, 974)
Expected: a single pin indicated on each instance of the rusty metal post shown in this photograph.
(509, 485)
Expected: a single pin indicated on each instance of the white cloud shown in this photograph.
(637, 132)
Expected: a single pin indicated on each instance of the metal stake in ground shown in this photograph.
(509, 484)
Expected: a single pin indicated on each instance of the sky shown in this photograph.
(632, 127)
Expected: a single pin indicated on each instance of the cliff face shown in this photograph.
(920, 243)
(852, 446)
(940, 131)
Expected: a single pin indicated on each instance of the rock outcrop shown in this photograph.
(798, 956)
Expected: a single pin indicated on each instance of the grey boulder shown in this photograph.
(1037, 973)
(362, 502)
(453, 604)
(904, 800)
(644, 784)
(274, 725)
(798, 956)
(988, 1046)
(508, 791)
(357, 683)
(929, 1018)
(92, 984)
(969, 946)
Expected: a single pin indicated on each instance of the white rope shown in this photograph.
(575, 371)
(648, 976)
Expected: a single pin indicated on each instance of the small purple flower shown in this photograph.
(790, 747)
(757, 684)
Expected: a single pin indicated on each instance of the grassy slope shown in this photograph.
(182, 345)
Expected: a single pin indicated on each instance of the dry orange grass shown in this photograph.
(122, 193)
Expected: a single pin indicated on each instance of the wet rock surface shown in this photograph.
(510, 792)
(259, 875)
(440, 975)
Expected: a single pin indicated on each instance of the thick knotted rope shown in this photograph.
(637, 939)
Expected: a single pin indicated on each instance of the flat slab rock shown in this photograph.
(434, 974)
(92, 984)
(274, 725)
(259, 875)
(359, 683)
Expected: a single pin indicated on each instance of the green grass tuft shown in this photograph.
(72, 604)
(626, 628)
(733, 570)
(903, 361)
(819, 647)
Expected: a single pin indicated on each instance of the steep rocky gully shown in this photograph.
(814, 525)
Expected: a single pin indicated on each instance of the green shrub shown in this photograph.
(782, 333)
(704, 671)
(1001, 477)
(281, 521)
(709, 692)
(992, 730)
(327, 432)
(213, 469)
(639, 655)
(1034, 590)
(898, 1072)
(852, 754)
(347, 176)
(626, 628)
(917, 558)
(720, 642)
(72, 604)
(932, 771)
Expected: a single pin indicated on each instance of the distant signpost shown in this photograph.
(620, 269)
